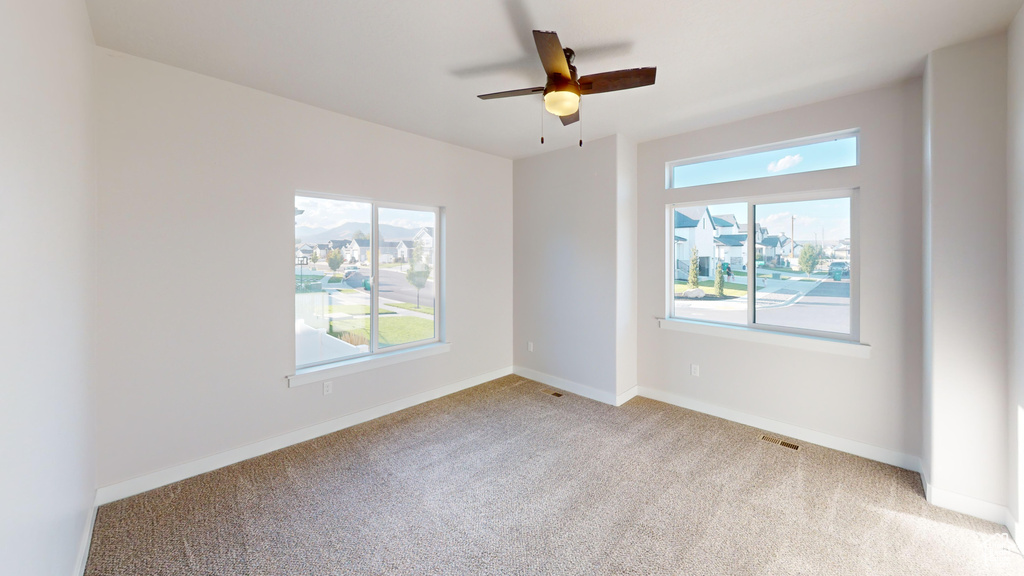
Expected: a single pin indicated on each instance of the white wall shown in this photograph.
(194, 349)
(1015, 256)
(575, 268)
(47, 240)
(565, 265)
(967, 388)
(872, 403)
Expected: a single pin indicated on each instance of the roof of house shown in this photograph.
(774, 241)
(361, 242)
(689, 216)
(389, 243)
(429, 230)
(725, 220)
(337, 243)
(731, 239)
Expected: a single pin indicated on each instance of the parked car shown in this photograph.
(842, 266)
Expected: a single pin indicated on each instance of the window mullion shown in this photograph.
(374, 281)
(751, 264)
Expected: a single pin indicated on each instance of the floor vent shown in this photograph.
(780, 442)
(553, 393)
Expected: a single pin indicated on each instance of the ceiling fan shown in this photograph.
(564, 87)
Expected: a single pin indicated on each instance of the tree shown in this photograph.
(810, 255)
(315, 256)
(334, 259)
(719, 281)
(418, 271)
(694, 279)
(360, 235)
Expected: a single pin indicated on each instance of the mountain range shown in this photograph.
(348, 230)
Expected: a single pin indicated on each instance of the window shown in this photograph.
(366, 278)
(784, 263)
(820, 153)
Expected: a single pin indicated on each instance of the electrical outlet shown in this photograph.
(694, 369)
(328, 387)
(529, 346)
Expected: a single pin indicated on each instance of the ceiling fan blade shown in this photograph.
(510, 93)
(551, 54)
(571, 118)
(617, 80)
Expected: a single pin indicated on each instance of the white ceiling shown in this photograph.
(417, 65)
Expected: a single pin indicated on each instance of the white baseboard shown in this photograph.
(85, 542)
(868, 451)
(627, 395)
(173, 474)
(970, 506)
(568, 385)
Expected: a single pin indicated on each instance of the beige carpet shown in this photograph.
(505, 479)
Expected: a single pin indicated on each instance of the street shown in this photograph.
(814, 303)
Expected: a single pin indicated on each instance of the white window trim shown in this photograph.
(788, 340)
(348, 366)
(670, 166)
(677, 323)
(392, 354)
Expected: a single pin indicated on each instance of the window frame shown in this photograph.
(852, 193)
(377, 355)
(737, 153)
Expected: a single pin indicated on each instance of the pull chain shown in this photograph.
(541, 121)
(581, 122)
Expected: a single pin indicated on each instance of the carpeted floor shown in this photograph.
(506, 479)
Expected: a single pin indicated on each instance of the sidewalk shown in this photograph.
(773, 294)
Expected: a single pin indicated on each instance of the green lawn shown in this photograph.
(708, 286)
(393, 330)
(408, 306)
(354, 309)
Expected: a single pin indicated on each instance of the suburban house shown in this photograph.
(694, 228)
(732, 249)
(840, 250)
(549, 414)
(356, 250)
(389, 251)
(304, 250)
(425, 239)
(726, 224)
(403, 249)
(772, 248)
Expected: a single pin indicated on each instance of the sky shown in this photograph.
(794, 160)
(327, 214)
(830, 217)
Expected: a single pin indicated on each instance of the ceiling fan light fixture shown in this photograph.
(562, 97)
(562, 102)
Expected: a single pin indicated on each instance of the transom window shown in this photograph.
(838, 150)
(366, 278)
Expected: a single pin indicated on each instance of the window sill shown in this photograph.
(799, 341)
(345, 367)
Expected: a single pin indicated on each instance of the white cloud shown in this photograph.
(785, 162)
(323, 213)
